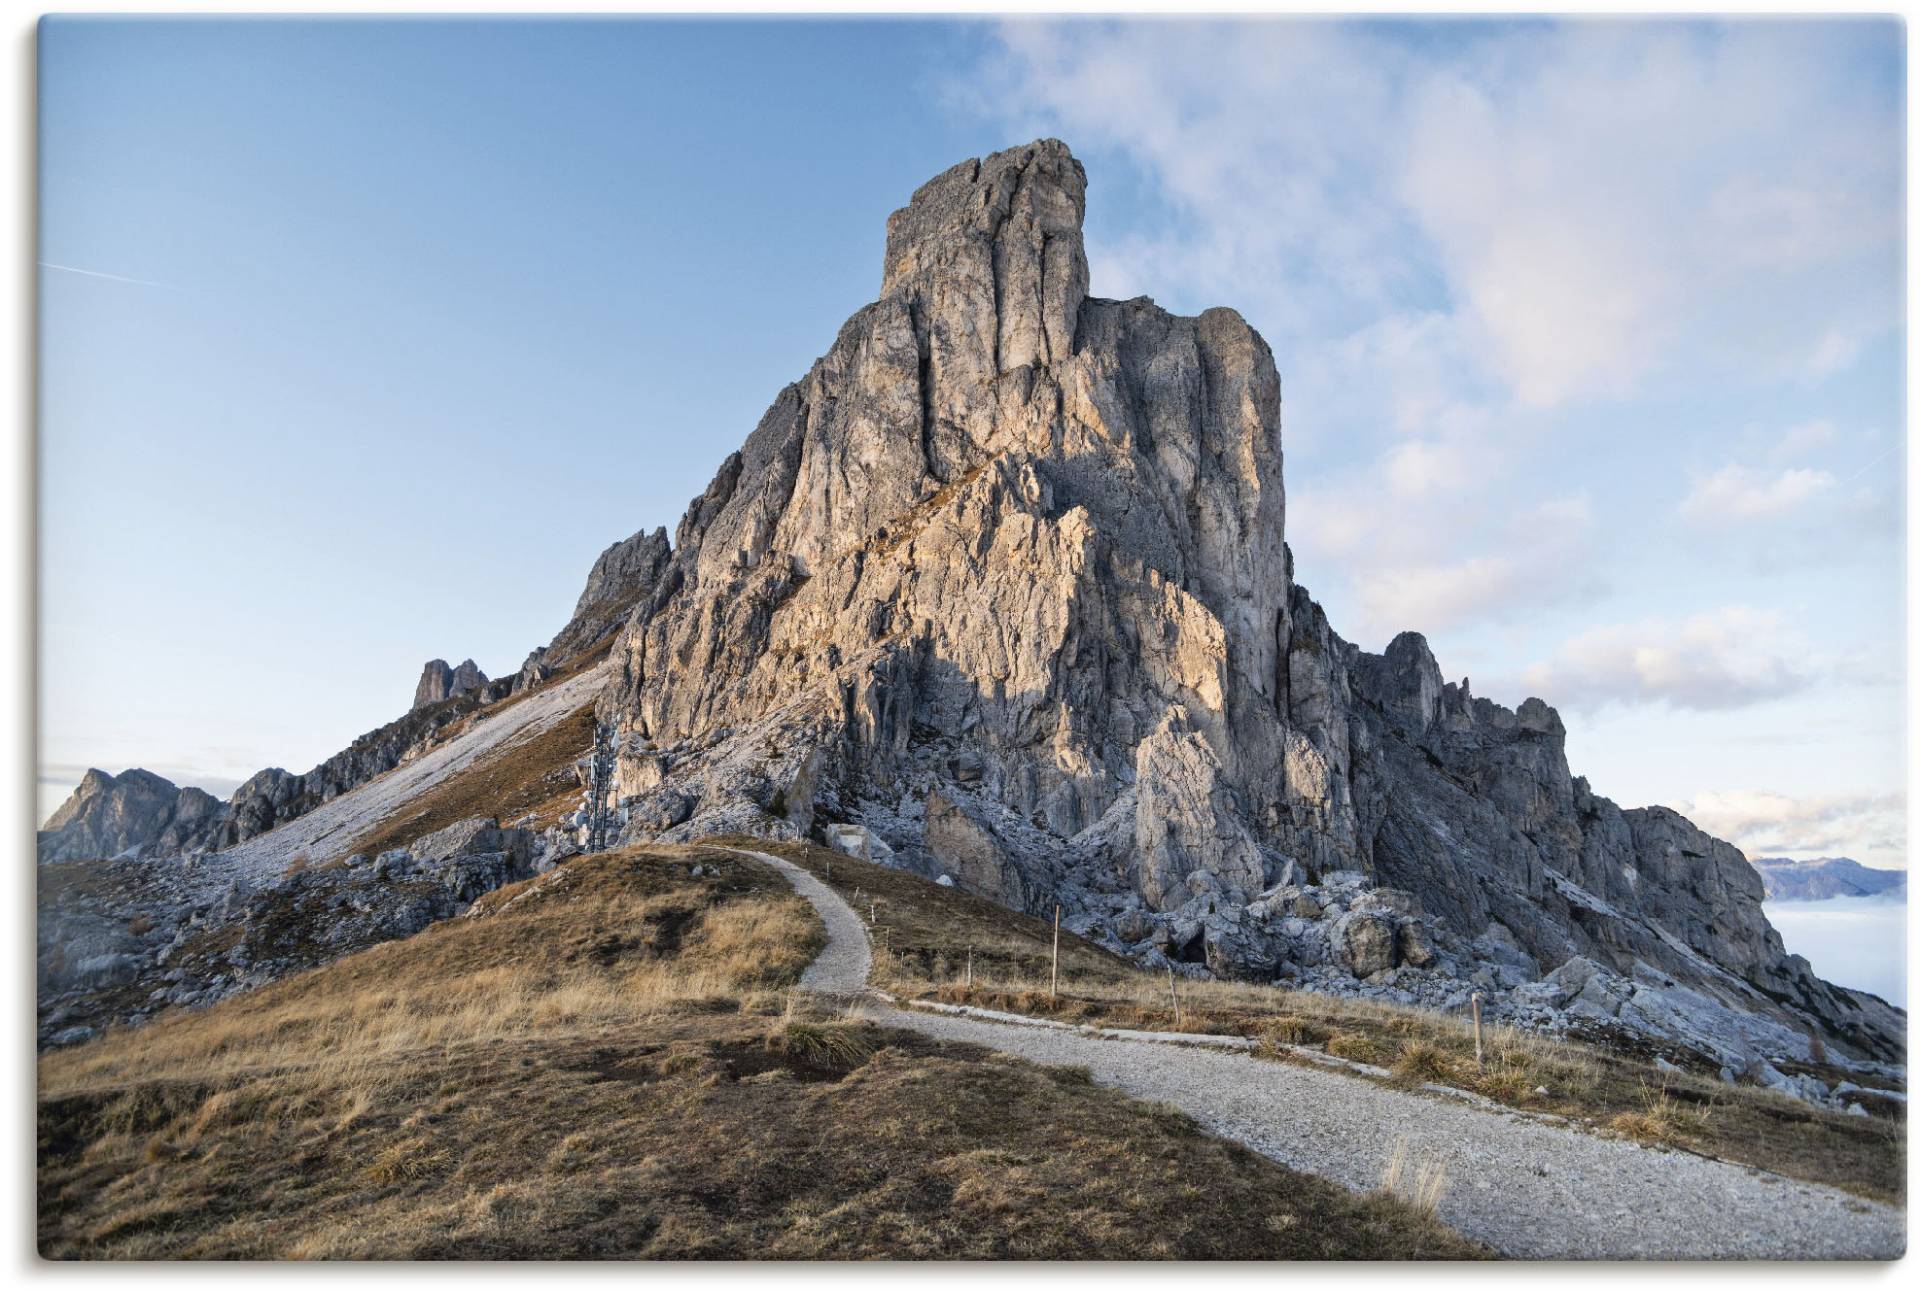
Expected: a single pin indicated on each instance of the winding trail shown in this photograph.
(1527, 1188)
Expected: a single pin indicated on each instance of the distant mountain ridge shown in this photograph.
(1827, 877)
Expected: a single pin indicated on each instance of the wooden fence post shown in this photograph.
(1054, 989)
(1174, 994)
(969, 968)
(1478, 1052)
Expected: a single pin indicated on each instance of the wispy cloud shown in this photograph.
(1738, 494)
(1763, 822)
(110, 277)
(1724, 658)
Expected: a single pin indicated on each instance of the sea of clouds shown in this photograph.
(1859, 942)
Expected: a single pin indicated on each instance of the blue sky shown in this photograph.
(1591, 334)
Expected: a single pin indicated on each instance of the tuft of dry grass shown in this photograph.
(1661, 1119)
(1419, 1183)
(829, 1048)
(1355, 1046)
(1423, 1062)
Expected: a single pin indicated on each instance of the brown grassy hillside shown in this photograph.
(608, 1062)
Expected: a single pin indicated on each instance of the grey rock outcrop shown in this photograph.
(135, 811)
(1003, 578)
(624, 574)
(438, 681)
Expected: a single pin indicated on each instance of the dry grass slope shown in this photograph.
(532, 776)
(924, 933)
(609, 1061)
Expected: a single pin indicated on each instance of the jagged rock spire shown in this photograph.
(438, 681)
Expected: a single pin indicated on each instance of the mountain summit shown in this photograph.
(1000, 591)
(1003, 580)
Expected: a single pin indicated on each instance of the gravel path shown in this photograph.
(1529, 1189)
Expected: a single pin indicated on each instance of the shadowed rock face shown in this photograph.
(1004, 579)
(108, 815)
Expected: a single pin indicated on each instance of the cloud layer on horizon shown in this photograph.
(1869, 827)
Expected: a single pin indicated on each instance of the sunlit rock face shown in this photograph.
(1004, 519)
(1004, 579)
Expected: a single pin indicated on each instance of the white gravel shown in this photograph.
(1527, 1188)
(335, 824)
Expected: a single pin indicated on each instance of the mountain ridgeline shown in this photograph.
(1000, 591)
(1828, 877)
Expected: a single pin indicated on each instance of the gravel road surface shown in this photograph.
(1529, 1189)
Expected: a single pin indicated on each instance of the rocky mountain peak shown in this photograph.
(1003, 581)
(991, 255)
(1000, 588)
(439, 681)
(107, 815)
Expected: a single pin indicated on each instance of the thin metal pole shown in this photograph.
(1478, 1052)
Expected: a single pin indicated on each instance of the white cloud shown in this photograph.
(1454, 235)
(1536, 557)
(1738, 494)
(1594, 203)
(1868, 827)
(1730, 657)
(1618, 200)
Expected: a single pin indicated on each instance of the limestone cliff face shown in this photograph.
(1004, 578)
(1003, 516)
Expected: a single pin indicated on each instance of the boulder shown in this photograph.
(1415, 943)
(972, 851)
(858, 840)
(1365, 943)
